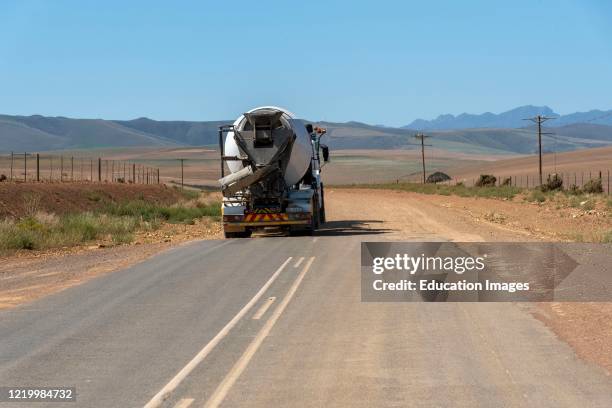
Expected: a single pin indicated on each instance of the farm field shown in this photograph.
(201, 165)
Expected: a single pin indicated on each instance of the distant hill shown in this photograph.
(184, 132)
(510, 119)
(354, 135)
(40, 133)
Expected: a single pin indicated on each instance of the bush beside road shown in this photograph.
(105, 217)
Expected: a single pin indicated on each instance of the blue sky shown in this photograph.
(380, 62)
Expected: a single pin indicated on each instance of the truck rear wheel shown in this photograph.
(243, 234)
(322, 216)
(315, 220)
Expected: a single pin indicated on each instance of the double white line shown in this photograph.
(229, 380)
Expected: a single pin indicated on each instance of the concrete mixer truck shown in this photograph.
(274, 180)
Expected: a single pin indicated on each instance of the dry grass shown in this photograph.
(115, 223)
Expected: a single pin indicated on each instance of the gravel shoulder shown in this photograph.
(30, 275)
(399, 215)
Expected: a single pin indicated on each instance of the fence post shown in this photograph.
(51, 168)
(158, 176)
(61, 169)
(72, 168)
(133, 173)
(99, 169)
(12, 158)
(25, 166)
(608, 181)
(37, 166)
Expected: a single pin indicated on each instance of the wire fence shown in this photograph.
(47, 168)
(574, 178)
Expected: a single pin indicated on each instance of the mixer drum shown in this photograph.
(267, 134)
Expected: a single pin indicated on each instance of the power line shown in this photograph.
(539, 119)
(422, 137)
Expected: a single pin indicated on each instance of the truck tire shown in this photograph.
(322, 216)
(244, 234)
(315, 221)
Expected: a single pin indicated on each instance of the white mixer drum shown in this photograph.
(301, 152)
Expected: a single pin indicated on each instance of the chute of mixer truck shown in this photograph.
(274, 180)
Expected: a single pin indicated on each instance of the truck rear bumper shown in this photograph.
(263, 224)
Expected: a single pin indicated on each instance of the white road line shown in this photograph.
(184, 403)
(220, 393)
(260, 312)
(299, 262)
(165, 392)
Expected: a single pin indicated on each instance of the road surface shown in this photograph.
(270, 322)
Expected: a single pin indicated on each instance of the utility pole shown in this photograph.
(539, 119)
(422, 137)
(182, 175)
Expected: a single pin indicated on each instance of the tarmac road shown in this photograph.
(278, 322)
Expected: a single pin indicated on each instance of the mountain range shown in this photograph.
(482, 135)
(514, 118)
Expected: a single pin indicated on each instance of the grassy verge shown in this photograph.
(442, 189)
(115, 222)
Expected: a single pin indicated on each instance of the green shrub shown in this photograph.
(437, 177)
(13, 237)
(593, 186)
(173, 214)
(486, 180)
(554, 183)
